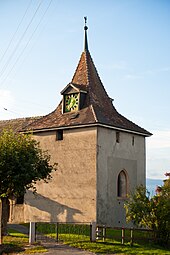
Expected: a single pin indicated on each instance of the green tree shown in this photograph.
(151, 212)
(22, 164)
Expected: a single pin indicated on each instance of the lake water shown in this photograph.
(151, 185)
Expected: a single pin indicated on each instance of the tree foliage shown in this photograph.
(151, 212)
(22, 164)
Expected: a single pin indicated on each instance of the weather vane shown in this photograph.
(85, 27)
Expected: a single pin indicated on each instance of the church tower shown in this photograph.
(100, 154)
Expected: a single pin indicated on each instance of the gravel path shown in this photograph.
(62, 249)
(53, 249)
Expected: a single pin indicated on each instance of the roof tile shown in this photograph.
(97, 107)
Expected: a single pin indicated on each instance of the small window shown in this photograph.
(59, 135)
(20, 200)
(118, 137)
(133, 140)
(122, 184)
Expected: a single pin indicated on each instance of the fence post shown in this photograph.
(131, 237)
(0, 221)
(104, 233)
(123, 235)
(93, 232)
(57, 231)
(32, 233)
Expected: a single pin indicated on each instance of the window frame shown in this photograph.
(133, 140)
(122, 192)
(59, 135)
(117, 136)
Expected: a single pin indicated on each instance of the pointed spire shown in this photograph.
(85, 38)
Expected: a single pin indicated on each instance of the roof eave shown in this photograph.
(146, 134)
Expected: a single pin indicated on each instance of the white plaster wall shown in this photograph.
(113, 157)
(16, 213)
(71, 194)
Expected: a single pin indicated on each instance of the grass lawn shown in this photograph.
(78, 236)
(16, 243)
(117, 248)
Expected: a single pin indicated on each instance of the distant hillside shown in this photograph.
(151, 185)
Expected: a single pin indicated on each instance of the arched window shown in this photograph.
(122, 184)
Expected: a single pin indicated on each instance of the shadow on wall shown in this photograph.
(50, 210)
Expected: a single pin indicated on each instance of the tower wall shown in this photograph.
(112, 157)
(71, 194)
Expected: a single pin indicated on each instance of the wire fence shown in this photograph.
(55, 232)
(68, 231)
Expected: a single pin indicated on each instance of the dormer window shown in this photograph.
(73, 97)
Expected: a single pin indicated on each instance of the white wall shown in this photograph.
(71, 194)
(113, 157)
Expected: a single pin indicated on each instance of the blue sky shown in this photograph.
(129, 40)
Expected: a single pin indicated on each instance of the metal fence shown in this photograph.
(124, 235)
(68, 231)
(55, 232)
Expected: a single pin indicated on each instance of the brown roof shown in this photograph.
(17, 124)
(97, 107)
(56, 119)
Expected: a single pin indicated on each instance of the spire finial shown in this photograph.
(85, 28)
(85, 20)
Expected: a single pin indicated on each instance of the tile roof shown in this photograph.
(56, 119)
(17, 124)
(97, 107)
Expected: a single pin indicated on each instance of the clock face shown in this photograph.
(71, 102)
